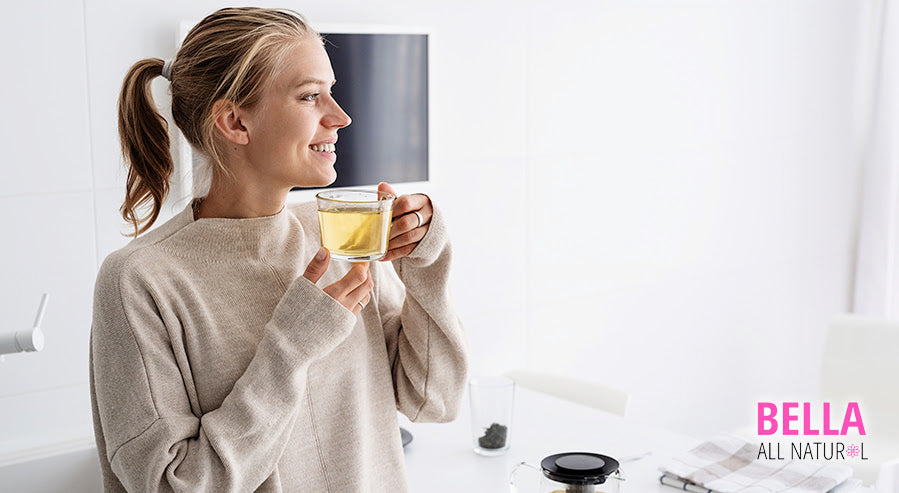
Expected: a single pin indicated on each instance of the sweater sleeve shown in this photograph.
(152, 438)
(426, 342)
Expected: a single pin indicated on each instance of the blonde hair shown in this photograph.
(233, 55)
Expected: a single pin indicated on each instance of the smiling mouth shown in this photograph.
(323, 147)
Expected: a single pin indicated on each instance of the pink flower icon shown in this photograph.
(852, 451)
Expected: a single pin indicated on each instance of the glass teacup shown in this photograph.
(355, 224)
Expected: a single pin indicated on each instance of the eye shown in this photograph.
(310, 97)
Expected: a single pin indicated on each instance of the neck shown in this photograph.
(232, 199)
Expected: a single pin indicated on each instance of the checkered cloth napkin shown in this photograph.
(729, 464)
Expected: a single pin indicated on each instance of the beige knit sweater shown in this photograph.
(216, 366)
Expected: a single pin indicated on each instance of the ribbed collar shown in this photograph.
(224, 238)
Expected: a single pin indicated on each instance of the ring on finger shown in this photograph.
(421, 220)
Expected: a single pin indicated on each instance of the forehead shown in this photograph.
(305, 61)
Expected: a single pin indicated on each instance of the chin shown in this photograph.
(330, 177)
(326, 181)
(320, 181)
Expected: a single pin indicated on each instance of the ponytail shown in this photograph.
(145, 145)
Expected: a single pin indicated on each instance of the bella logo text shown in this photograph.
(769, 424)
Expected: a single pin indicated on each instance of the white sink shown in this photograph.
(70, 471)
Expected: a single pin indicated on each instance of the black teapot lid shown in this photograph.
(579, 467)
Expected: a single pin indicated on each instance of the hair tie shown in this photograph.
(167, 69)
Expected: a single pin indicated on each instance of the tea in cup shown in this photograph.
(355, 224)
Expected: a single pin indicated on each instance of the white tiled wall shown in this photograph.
(43, 132)
(47, 219)
(52, 251)
(629, 183)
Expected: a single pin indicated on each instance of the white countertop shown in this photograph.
(441, 459)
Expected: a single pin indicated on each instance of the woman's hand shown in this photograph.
(353, 290)
(411, 217)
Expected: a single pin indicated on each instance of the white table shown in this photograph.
(440, 457)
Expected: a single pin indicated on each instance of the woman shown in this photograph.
(218, 363)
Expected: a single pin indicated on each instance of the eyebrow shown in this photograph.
(318, 82)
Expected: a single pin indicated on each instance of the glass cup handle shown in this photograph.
(513, 488)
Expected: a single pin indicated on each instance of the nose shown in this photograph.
(336, 117)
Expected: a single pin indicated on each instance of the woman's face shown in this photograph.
(293, 128)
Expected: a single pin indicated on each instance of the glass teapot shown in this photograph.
(574, 472)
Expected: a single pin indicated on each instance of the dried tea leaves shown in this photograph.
(494, 437)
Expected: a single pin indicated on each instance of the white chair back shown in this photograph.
(576, 390)
(861, 364)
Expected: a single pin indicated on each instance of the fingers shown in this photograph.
(384, 187)
(405, 218)
(399, 252)
(360, 297)
(405, 204)
(410, 237)
(403, 244)
(365, 300)
(353, 290)
(410, 222)
(411, 219)
(318, 265)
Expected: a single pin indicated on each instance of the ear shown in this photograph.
(227, 122)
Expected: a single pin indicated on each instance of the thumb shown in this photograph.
(384, 187)
(317, 267)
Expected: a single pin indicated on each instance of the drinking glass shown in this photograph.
(491, 414)
(355, 224)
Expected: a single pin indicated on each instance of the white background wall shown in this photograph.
(657, 195)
